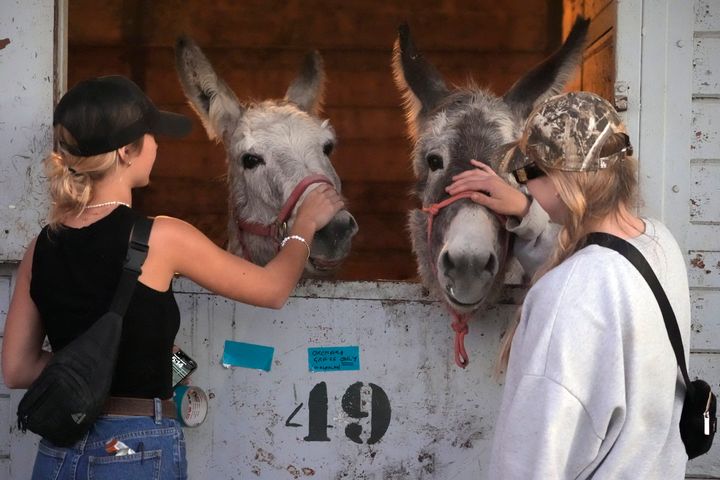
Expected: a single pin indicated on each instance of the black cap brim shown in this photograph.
(171, 124)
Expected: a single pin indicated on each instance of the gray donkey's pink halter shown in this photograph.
(459, 323)
(278, 227)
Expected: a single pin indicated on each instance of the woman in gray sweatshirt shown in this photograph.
(592, 388)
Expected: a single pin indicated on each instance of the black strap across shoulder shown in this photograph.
(70, 392)
(136, 255)
(634, 256)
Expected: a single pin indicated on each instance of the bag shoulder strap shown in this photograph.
(634, 256)
(136, 255)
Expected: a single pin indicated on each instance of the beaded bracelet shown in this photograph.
(299, 239)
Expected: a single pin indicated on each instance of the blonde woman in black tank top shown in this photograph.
(106, 130)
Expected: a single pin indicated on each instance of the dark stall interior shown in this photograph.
(257, 47)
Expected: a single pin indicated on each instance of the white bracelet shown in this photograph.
(299, 239)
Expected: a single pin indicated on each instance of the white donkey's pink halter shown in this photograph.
(460, 320)
(278, 227)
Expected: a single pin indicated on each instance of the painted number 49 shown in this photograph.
(354, 404)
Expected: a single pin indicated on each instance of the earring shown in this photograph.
(130, 163)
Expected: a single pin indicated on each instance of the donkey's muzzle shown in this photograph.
(338, 231)
(467, 279)
(332, 243)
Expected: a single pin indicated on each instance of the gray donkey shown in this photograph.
(277, 150)
(460, 246)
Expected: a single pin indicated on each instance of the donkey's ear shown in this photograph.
(419, 82)
(307, 91)
(549, 77)
(216, 105)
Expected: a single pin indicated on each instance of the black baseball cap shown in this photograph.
(107, 113)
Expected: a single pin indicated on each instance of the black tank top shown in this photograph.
(75, 273)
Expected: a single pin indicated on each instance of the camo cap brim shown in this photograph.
(567, 132)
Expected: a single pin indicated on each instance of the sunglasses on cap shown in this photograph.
(528, 172)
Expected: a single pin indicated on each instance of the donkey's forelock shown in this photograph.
(281, 123)
(290, 141)
(469, 124)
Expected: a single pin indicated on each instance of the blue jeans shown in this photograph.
(159, 447)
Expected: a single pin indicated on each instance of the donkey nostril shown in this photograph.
(447, 262)
(490, 265)
(352, 226)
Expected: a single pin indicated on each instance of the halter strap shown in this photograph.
(277, 228)
(460, 320)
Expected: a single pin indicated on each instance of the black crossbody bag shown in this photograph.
(69, 395)
(698, 422)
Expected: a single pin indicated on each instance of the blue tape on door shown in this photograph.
(248, 355)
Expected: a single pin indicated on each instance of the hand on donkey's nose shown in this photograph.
(320, 206)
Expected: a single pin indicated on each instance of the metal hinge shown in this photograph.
(621, 96)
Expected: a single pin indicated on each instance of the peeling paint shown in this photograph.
(698, 262)
(4, 42)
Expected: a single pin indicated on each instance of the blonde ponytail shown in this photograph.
(72, 178)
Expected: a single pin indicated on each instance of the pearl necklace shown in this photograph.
(105, 204)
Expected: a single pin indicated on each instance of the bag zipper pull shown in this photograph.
(706, 417)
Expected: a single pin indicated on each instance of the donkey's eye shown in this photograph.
(328, 148)
(251, 161)
(434, 162)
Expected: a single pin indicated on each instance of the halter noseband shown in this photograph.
(278, 227)
(459, 324)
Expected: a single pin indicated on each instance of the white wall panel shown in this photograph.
(707, 16)
(706, 67)
(705, 306)
(704, 269)
(705, 192)
(27, 77)
(705, 142)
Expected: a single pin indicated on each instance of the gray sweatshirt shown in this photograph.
(592, 388)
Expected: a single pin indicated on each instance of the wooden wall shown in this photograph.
(598, 68)
(257, 45)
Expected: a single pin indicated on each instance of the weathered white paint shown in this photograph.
(628, 52)
(665, 112)
(703, 241)
(704, 198)
(705, 325)
(705, 136)
(4, 299)
(26, 73)
(706, 64)
(707, 16)
(704, 269)
(441, 415)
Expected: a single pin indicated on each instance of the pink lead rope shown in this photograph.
(459, 324)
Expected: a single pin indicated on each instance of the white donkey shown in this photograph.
(277, 150)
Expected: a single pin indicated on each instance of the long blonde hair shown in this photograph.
(589, 197)
(72, 178)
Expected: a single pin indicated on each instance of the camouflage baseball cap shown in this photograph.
(567, 132)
